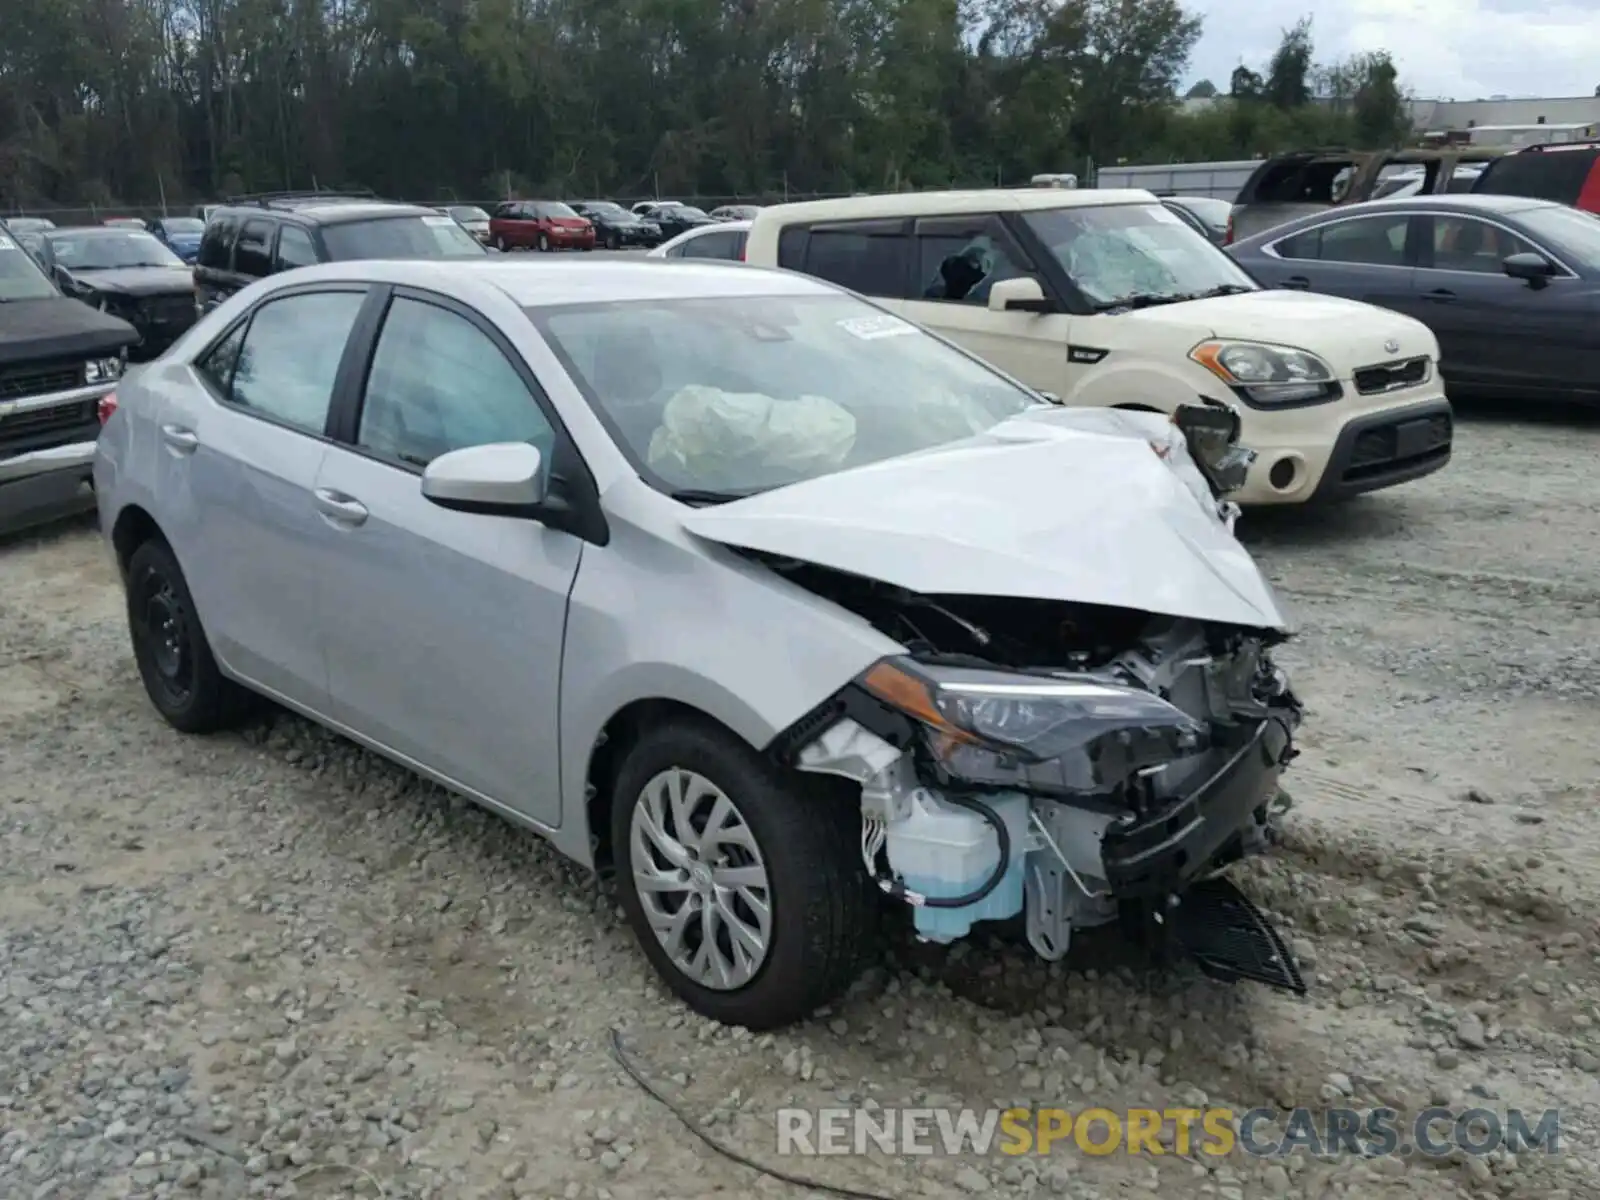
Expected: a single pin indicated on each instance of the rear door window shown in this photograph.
(216, 246)
(253, 255)
(870, 257)
(1557, 175)
(1371, 241)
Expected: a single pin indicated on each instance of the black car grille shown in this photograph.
(1389, 377)
(1400, 443)
(40, 428)
(19, 383)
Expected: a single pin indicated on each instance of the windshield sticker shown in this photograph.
(1165, 216)
(870, 329)
(438, 221)
(6, 243)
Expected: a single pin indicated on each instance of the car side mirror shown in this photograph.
(1019, 295)
(1529, 267)
(504, 479)
(1211, 431)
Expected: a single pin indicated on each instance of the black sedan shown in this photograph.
(616, 227)
(127, 273)
(674, 218)
(1510, 286)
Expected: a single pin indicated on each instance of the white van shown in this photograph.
(1107, 298)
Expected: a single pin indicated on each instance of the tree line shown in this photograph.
(107, 102)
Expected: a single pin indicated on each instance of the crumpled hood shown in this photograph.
(1347, 333)
(1057, 504)
(138, 281)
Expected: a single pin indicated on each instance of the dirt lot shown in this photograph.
(268, 964)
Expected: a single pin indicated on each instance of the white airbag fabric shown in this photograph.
(710, 438)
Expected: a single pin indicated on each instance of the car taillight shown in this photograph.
(1227, 237)
(108, 405)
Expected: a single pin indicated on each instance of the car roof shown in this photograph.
(700, 231)
(93, 230)
(1459, 202)
(333, 212)
(918, 204)
(552, 282)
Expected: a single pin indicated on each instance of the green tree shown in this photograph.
(1288, 84)
(1204, 90)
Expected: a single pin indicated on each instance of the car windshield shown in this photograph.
(1570, 230)
(400, 237)
(717, 398)
(468, 212)
(687, 210)
(187, 226)
(110, 251)
(1134, 255)
(607, 207)
(20, 277)
(555, 208)
(29, 224)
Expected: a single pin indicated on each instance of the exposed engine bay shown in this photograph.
(1071, 765)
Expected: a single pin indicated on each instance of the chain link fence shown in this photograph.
(93, 214)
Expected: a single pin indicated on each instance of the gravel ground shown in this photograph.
(271, 964)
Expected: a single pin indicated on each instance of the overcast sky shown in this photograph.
(1444, 49)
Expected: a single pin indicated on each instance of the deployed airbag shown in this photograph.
(712, 438)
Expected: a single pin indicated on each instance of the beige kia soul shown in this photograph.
(1108, 298)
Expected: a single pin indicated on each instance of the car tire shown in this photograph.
(803, 840)
(613, 241)
(170, 648)
(544, 244)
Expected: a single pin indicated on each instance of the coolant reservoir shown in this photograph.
(942, 850)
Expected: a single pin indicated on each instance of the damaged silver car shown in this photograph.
(783, 609)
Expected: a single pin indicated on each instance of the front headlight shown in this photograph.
(1268, 374)
(102, 370)
(1043, 733)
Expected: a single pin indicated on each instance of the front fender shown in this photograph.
(1146, 383)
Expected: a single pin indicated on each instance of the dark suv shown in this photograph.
(251, 237)
(1566, 172)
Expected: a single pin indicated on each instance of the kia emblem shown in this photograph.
(1391, 347)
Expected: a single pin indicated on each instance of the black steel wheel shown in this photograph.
(174, 658)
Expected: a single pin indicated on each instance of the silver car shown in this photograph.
(787, 610)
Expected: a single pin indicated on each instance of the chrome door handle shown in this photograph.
(340, 508)
(184, 441)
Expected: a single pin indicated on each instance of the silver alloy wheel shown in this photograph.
(701, 879)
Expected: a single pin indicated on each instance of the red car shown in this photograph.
(539, 225)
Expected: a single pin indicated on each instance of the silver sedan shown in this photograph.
(644, 557)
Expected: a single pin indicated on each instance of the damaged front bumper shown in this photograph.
(1132, 826)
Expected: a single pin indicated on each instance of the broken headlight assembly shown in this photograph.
(991, 730)
(1266, 375)
(1211, 431)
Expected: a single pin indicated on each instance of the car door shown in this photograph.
(244, 465)
(959, 258)
(1496, 332)
(1369, 258)
(444, 629)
